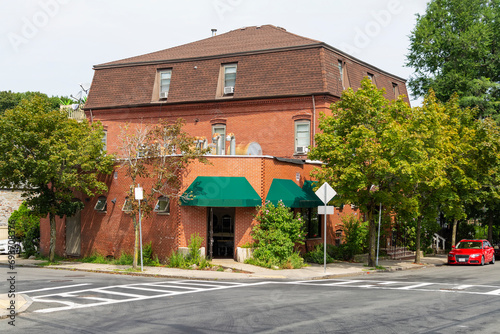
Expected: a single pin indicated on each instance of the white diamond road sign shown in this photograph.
(325, 193)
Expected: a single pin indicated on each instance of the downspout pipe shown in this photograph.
(314, 121)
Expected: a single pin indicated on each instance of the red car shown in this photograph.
(472, 252)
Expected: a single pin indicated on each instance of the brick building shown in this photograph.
(262, 86)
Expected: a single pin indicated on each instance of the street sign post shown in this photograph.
(325, 194)
(139, 196)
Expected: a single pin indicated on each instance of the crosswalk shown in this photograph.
(490, 290)
(83, 295)
(70, 298)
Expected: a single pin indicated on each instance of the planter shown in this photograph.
(243, 253)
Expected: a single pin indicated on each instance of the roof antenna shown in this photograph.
(214, 32)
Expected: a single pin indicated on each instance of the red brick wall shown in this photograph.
(271, 123)
(111, 233)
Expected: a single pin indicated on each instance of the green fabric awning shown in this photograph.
(219, 191)
(292, 195)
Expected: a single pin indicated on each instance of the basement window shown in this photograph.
(127, 206)
(101, 204)
(162, 205)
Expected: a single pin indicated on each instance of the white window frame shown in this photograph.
(164, 88)
(166, 209)
(297, 124)
(225, 67)
(102, 204)
(223, 136)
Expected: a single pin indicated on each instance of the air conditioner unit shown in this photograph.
(163, 95)
(301, 149)
(228, 90)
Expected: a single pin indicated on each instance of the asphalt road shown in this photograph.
(434, 300)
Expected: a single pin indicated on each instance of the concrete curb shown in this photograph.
(24, 299)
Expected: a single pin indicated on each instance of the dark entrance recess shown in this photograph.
(221, 232)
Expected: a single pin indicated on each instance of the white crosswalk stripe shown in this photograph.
(81, 299)
(114, 294)
(407, 286)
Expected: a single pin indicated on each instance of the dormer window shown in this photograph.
(227, 81)
(229, 78)
(395, 90)
(165, 76)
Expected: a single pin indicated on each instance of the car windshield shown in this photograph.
(469, 245)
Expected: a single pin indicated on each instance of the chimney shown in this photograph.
(214, 32)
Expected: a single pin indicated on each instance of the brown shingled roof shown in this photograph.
(243, 40)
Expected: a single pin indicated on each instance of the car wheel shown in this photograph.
(482, 260)
(492, 260)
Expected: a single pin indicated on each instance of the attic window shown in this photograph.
(165, 76)
(162, 205)
(227, 80)
(395, 90)
(101, 204)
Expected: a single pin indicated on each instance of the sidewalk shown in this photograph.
(232, 271)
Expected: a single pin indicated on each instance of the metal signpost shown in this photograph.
(325, 194)
(139, 196)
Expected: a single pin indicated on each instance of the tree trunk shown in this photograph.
(454, 233)
(136, 243)
(490, 226)
(372, 239)
(52, 246)
(417, 241)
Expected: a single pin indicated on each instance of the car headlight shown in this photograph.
(475, 255)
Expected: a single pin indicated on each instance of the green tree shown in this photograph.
(51, 158)
(454, 49)
(157, 157)
(9, 100)
(370, 154)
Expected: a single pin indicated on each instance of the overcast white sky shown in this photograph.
(51, 45)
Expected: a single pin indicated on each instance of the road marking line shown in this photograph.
(174, 286)
(343, 283)
(200, 284)
(494, 292)
(462, 287)
(105, 290)
(55, 288)
(146, 289)
(413, 286)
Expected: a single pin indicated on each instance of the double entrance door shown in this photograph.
(221, 232)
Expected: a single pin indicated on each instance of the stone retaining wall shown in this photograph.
(10, 200)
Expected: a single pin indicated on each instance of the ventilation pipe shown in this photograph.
(232, 143)
(218, 141)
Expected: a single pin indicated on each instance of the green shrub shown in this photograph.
(194, 248)
(27, 229)
(276, 236)
(147, 256)
(178, 260)
(317, 255)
